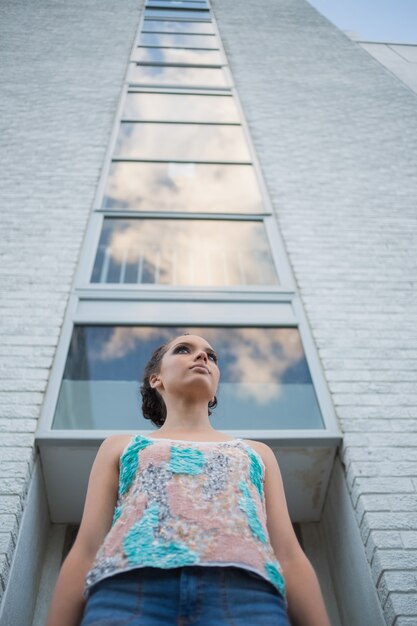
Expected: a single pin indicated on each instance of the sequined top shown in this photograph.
(188, 503)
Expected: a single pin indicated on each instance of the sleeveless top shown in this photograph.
(188, 503)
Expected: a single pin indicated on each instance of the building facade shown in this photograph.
(330, 138)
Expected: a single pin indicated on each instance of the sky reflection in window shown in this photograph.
(209, 253)
(183, 187)
(172, 26)
(178, 107)
(185, 142)
(265, 380)
(175, 14)
(169, 76)
(178, 40)
(177, 55)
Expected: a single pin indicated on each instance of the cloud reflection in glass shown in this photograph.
(180, 107)
(184, 252)
(176, 76)
(173, 26)
(265, 379)
(179, 40)
(177, 55)
(188, 142)
(183, 187)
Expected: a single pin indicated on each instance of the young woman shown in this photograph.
(189, 526)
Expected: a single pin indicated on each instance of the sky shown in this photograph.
(387, 21)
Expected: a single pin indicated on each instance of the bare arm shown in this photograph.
(305, 602)
(68, 603)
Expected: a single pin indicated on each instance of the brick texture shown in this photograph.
(336, 137)
(63, 65)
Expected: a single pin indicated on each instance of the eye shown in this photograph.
(212, 356)
(180, 348)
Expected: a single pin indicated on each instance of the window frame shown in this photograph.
(132, 88)
(221, 69)
(139, 44)
(175, 4)
(93, 234)
(177, 21)
(306, 456)
(205, 159)
(182, 92)
(212, 64)
(177, 15)
(283, 310)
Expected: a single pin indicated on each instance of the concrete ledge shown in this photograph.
(350, 572)
(19, 598)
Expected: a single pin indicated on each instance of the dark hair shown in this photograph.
(153, 405)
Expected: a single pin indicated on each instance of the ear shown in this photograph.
(154, 381)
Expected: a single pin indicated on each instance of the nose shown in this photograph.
(201, 354)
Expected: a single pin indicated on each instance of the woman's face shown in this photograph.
(188, 367)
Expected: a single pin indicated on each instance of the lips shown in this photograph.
(206, 369)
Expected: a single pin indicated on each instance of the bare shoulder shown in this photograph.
(113, 446)
(263, 450)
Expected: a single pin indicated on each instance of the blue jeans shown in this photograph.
(185, 596)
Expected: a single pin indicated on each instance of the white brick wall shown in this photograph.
(336, 135)
(62, 66)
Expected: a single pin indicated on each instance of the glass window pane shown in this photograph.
(176, 4)
(168, 76)
(190, 187)
(188, 142)
(178, 15)
(172, 26)
(182, 4)
(176, 40)
(176, 56)
(177, 107)
(199, 253)
(265, 380)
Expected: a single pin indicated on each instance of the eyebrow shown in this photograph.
(192, 345)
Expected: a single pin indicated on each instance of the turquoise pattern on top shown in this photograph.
(116, 514)
(184, 503)
(275, 577)
(247, 504)
(256, 471)
(129, 462)
(143, 548)
(186, 461)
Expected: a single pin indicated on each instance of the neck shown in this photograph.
(186, 416)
